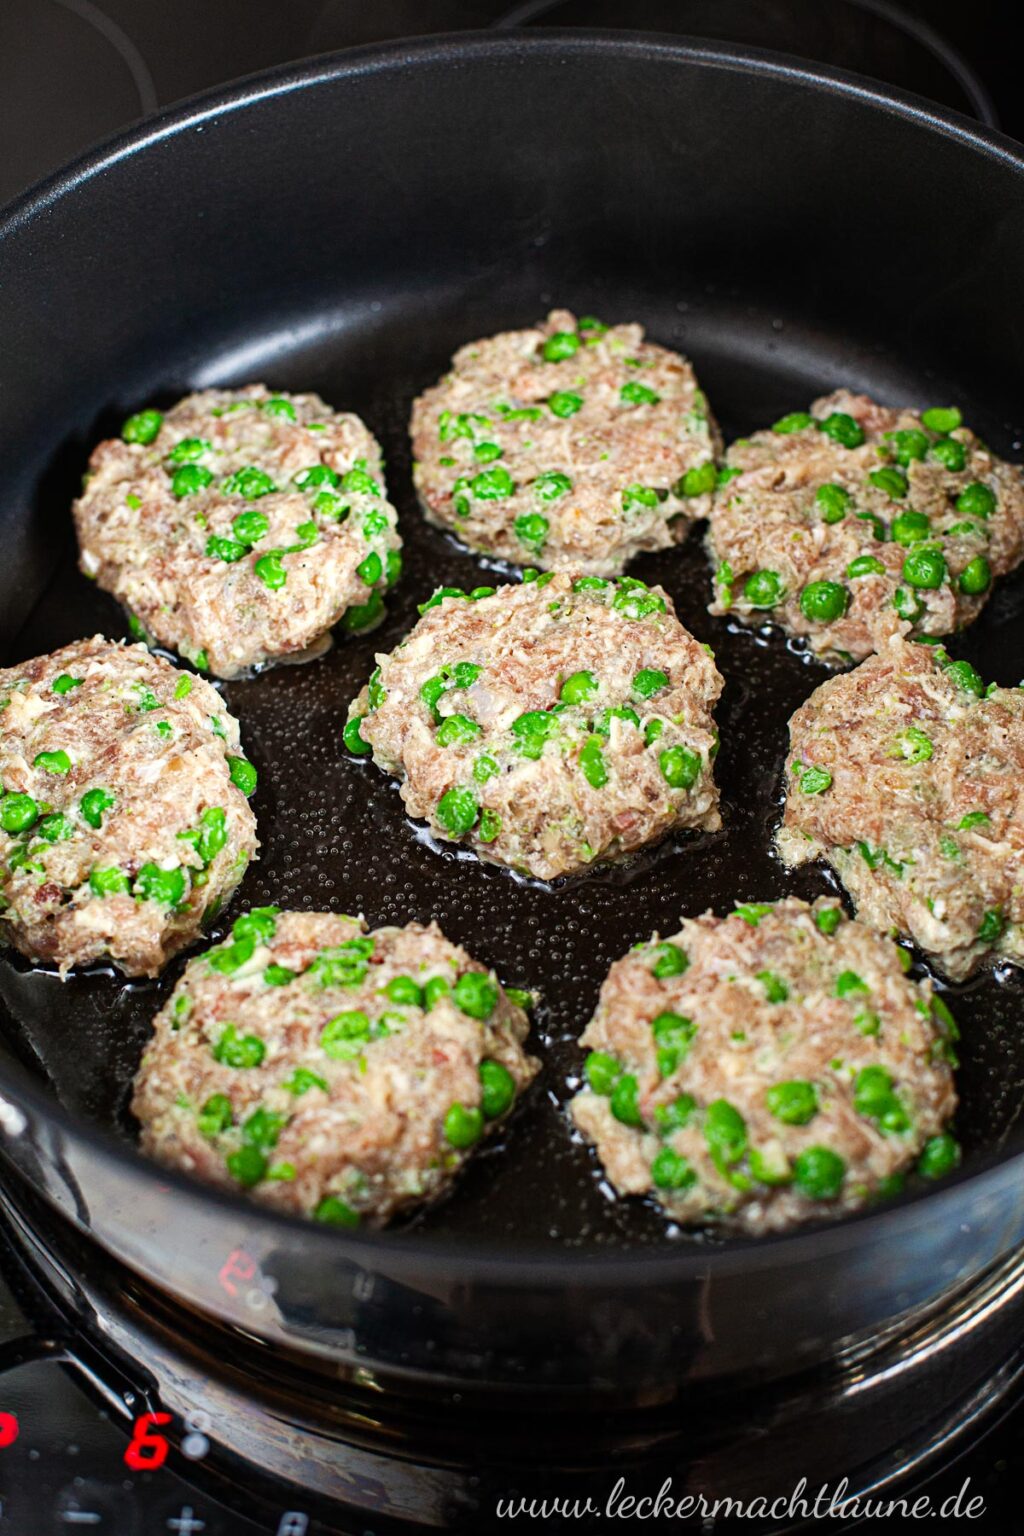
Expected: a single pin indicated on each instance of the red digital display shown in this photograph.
(8, 1429)
(146, 1451)
(239, 1266)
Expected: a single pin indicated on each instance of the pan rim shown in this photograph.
(403, 1251)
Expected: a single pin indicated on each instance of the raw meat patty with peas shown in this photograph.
(332, 1072)
(548, 725)
(907, 775)
(124, 822)
(767, 1068)
(572, 445)
(852, 522)
(239, 526)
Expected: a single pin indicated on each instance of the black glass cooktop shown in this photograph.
(85, 1443)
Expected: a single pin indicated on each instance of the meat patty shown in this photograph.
(768, 1067)
(333, 1072)
(908, 777)
(547, 725)
(854, 522)
(239, 526)
(124, 821)
(572, 446)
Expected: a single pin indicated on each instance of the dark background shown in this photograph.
(74, 71)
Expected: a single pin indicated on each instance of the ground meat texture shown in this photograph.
(906, 774)
(333, 1072)
(547, 725)
(571, 446)
(854, 522)
(238, 527)
(766, 1068)
(124, 822)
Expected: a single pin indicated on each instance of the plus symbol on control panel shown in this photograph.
(186, 1523)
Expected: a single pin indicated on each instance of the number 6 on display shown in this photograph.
(146, 1451)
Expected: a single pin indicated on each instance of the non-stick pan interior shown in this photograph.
(333, 832)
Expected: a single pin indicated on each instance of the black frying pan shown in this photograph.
(342, 227)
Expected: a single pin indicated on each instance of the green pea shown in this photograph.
(794, 1101)
(248, 1165)
(670, 960)
(849, 984)
(562, 345)
(875, 1098)
(635, 603)
(910, 527)
(819, 1172)
(493, 484)
(497, 1088)
(814, 781)
(531, 528)
(17, 812)
(913, 745)
(486, 453)
(458, 810)
(670, 1170)
(950, 453)
(235, 1050)
(463, 1126)
(939, 1156)
(279, 407)
(189, 479)
(270, 570)
(671, 1117)
(376, 692)
(827, 919)
(623, 1101)
(183, 687)
(925, 568)
(531, 730)
(485, 767)
(976, 500)
(635, 393)
(865, 565)
(878, 528)
(770, 1166)
(263, 1127)
(58, 762)
(976, 576)
(564, 403)
(302, 1080)
(55, 828)
(250, 482)
(228, 550)
(752, 911)
(725, 1132)
(796, 421)
(973, 819)
(649, 681)
(434, 990)
(965, 677)
(490, 825)
(992, 925)
(343, 1037)
(316, 474)
(475, 994)
(726, 473)
(578, 688)
(824, 601)
(764, 589)
(866, 1022)
(775, 989)
(370, 570)
(907, 445)
(842, 429)
(551, 485)
(602, 1072)
(278, 975)
(334, 1212)
(592, 763)
(907, 604)
(65, 683)
(108, 882)
(143, 427)
(602, 722)
(593, 328)
(166, 886)
(680, 767)
(699, 480)
(673, 1035)
(941, 418)
(327, 504)
(250, 526)
(832, 502)
(890, 480)
(457, 730)
(215, 1116)
(243, 775)
(353, 737)
(188, 449)
(637, 495)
